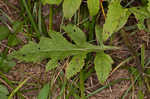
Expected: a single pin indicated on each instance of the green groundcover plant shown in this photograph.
(72, 43)
(57, 47)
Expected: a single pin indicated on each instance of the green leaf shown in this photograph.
(140, 94)
(99, 31)
(57, 2)
(4, 90)
(117, 16)
(29, 53)
(102, 66)
(141, 14)
(76, 34)
(17, 26)
(4, 32)
(13, 40)
(93, 6)
(3, 96)
(53, 63)
(70, 7)
(75, 65)
(44, 92)
(57, 46)
(6, 65)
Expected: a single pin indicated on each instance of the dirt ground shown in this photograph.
(24, 70)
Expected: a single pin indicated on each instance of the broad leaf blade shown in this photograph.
(75, 65)
(44, 92)
(56, 46)
(4, 90)
(3, 96)
(116, 18)
(29, 53)
(93, 6)
(76, 34)
(102, 66)
(70, 7)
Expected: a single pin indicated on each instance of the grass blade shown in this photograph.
(31, 18)
(16, 89)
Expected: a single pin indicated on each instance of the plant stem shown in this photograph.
(101, 5)
(82, 88)
(10, 83)
(16, 89)
(51, 18)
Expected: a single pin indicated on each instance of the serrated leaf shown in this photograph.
(70, 7)
(93, 6)
(57, 2)
(44, 92)
(141, 14)
(57, 46)
(116, 18)
(75, 65)
(4, 32)
(103, 67)
(76, 34)
(53, 63)
(29, 53)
